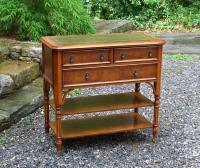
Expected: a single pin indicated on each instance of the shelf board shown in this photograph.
(103, 103)
(74, 128)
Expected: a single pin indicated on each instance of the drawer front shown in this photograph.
(100, 75)
(87, 57)
(135, 54)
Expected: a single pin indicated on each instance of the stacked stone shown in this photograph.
(26, 52)
(17, 50)
(4, 52)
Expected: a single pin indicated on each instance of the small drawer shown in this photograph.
(135, 54)
(87, 57)
(115, 74)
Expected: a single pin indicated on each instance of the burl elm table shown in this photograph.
(77, 61)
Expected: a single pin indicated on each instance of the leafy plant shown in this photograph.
(2, 141)
(178, 57)
(144, 14)
(31, 19)
(73, 92)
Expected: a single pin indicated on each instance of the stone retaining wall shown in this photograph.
(18, 50)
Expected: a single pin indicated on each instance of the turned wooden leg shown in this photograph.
(58, 128)
(46, 88)
(156, 111)
(137, 89)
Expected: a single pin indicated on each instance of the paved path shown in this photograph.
(26, 145)
(181, 43)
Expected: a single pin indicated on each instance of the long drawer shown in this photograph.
(101, 75)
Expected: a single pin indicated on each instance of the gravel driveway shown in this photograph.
(26, 145)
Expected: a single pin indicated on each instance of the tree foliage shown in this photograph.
(31, 19)
(161, 14)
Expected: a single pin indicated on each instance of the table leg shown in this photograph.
(58, 128)
(137, 89)
(46, 89)
(156, 109)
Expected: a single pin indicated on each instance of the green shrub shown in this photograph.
(156, 14)
(142, 12)
(188, 16)
(112, 9)
(31, 19)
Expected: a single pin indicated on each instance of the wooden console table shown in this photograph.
(71, 62)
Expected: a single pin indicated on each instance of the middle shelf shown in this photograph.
(101, 103)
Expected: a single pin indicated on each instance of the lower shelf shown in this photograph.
(73, 128)
(102, 103)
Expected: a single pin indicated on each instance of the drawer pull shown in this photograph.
(87, 76)
(150, 54)
(122, 56)
(71, 59)
(135, 73)
(101, 57)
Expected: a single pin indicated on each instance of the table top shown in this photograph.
(100, 40)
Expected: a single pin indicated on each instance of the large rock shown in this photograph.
(16, 106)
(6, 84)
(15, 74)
(112, 26)
(4, 120)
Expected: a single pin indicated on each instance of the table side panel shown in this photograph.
(48, 64)
(159, 70)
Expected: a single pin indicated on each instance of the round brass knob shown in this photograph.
(71, 59)
(87, 76)
(135, 73)
(102, 57)
(150, 54)
(122, 56)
